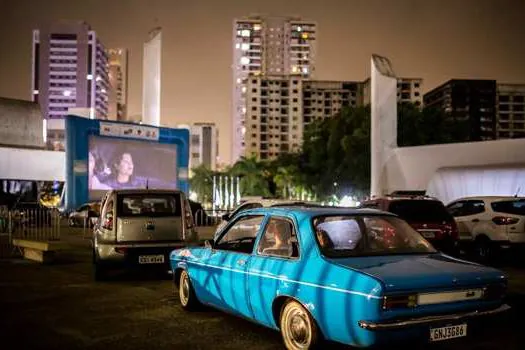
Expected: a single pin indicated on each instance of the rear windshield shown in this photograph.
(360, 235)
(156, 205)
(516, 207)
(420, 210)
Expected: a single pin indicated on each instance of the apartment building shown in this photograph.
(267, 46)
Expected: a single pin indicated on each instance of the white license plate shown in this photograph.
(450, 332)
(428, 234)
(151, 259)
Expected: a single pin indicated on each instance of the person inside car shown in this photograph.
(281, 233)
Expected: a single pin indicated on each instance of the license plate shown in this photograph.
(428, 234)
(450, 332)
(151, 259)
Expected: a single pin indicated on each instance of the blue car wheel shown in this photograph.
(298, 328)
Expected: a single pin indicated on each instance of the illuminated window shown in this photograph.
(237, 45)
(305, 70)
(295, 69)
(299, 29)
(239, 80)
(245, 47)
(245, 60)
(256, 27)
(244, 89)
(245, 33)
(304, 35)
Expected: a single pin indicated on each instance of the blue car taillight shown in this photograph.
(399, 302)
(495, 291)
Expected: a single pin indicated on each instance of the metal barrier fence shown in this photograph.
(208, 217)
(28, 224)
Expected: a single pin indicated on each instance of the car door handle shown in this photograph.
(475, 220)
(241, 262)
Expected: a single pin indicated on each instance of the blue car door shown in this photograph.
(273, 268)
(226, 265)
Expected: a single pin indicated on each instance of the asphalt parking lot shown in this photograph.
(61, 307)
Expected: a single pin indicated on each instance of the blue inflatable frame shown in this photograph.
(78, 131)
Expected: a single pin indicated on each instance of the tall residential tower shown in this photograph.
(70, 70)
(267, 46)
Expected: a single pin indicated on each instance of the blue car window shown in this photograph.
(241, 235)
(279, 239)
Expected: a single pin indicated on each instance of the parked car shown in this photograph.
(85, 215)
(355, 276)
(493, 223)
(260, 202)
(426, 215)
(140, 228)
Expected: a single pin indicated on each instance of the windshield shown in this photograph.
(157, 205)
(423, 210)
(360, 235)
(516, 207)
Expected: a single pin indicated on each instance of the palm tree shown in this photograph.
(252, 174)
(201, 182)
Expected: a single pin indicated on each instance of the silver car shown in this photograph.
(140, 228)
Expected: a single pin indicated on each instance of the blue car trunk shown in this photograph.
(424, 272)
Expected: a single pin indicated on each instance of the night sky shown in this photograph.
(433, 39)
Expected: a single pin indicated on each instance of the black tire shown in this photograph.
(100, 271)
(298, 328)
(187, 297)
(483, 249)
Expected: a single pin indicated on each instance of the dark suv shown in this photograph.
(425, 214)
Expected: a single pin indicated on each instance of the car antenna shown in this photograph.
(517, 192)
(147, 184)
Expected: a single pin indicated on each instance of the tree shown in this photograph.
(428, 126)
(287, 175)
(254, 177)
(336, 151)
(201, 183)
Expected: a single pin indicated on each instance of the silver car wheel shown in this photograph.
(296, 327)
(184, 288)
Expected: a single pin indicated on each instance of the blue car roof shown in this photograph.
(316, 211)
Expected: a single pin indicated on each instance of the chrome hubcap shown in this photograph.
(184, 290)
(298, 328)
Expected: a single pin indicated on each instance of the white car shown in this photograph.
(492, 222)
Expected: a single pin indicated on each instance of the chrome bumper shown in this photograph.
(421, 321)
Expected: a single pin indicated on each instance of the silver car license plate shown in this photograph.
(151, 259)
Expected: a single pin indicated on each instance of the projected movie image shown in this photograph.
(126, 164)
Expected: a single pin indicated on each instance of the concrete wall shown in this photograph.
(383, 133)
(22, 123)
(151, 81)
(30, 164)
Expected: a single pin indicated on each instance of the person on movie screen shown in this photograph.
(94, 181)
(122, 175)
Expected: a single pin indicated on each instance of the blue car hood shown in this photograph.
(422, 272)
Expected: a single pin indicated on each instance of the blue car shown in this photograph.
(355, 276)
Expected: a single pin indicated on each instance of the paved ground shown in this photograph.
(60, 307)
